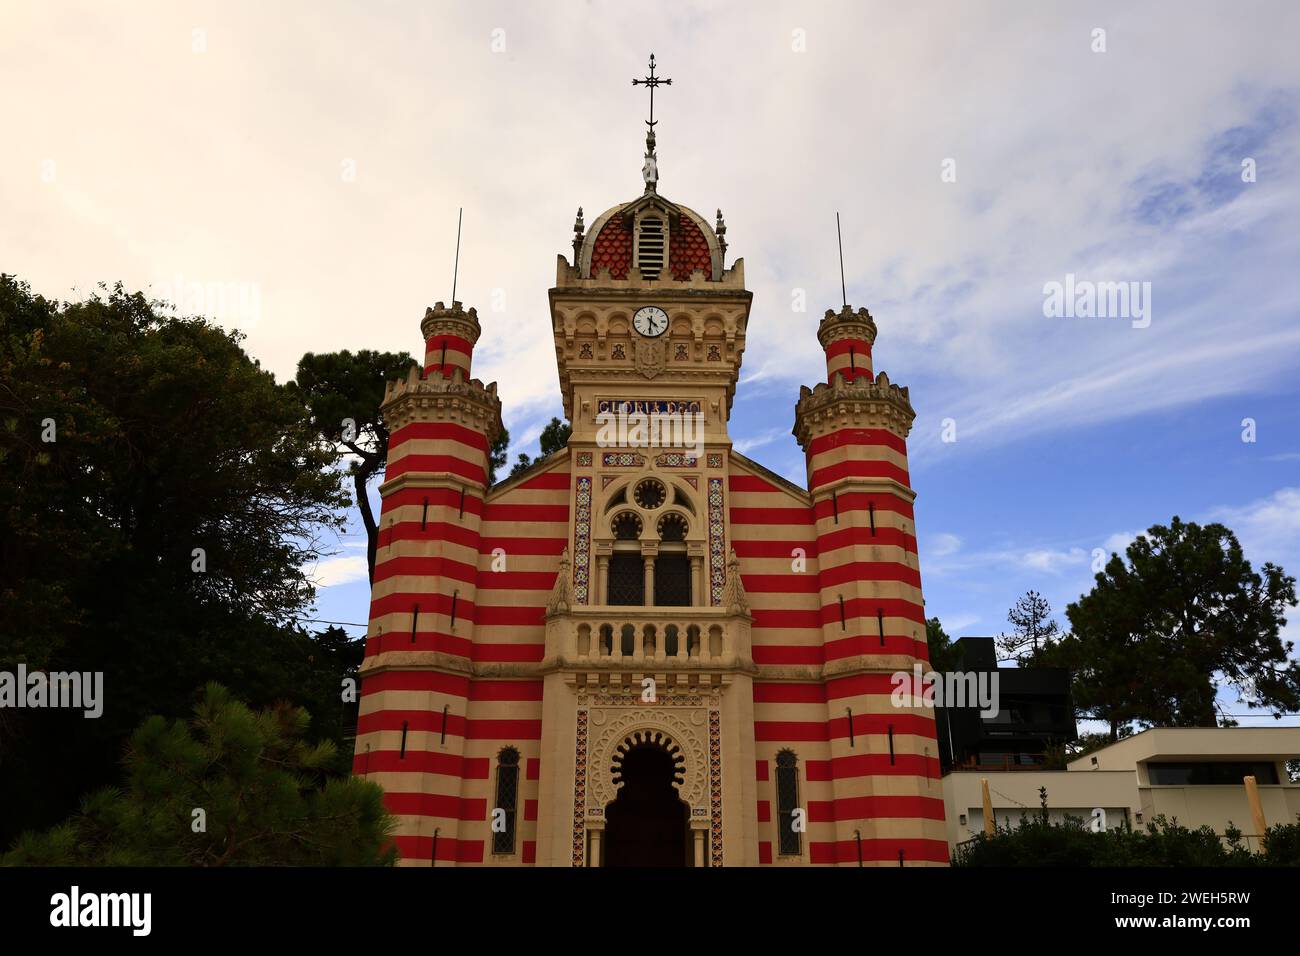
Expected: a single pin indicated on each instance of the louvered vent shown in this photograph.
(650, 248)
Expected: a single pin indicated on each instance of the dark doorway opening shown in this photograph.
(647, 825)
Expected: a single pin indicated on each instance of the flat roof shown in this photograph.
(1194, 743)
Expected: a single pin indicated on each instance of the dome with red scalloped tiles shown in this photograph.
(692, 244)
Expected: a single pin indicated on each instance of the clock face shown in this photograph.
(650, 321)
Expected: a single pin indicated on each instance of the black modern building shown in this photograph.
(1034, 714)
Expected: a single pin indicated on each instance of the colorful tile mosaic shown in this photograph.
(675, 459)
(582, 540)
(584, 459)
(717, 542)
(580, 792)
(714, 460)
(618, 353)
(693, 482)
(607, 480)
(622, 459)
(715, 787)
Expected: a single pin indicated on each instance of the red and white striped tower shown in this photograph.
(888, 801)
(847, 342)
(449, 338)
(415, 677)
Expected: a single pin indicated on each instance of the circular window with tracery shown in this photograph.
(650, 494)
(672, 527)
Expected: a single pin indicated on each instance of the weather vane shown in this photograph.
(650, 170)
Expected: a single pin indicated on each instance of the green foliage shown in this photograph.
(554, 437)
(1156, 631)
(267, 796)
(498, 456)
(1037, 842)
(169, 438)
(945, 653)
(343, 392)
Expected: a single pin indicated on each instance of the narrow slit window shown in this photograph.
(891, 745)
(442, 737)
(871, 513)
(505, 812)
(849, 711)
(402, 754)
(880, 625)
(415, 621)
(455, 596)
(835, 504)
(424, 516)
(843, 621)
(462, 501)
(787, 802)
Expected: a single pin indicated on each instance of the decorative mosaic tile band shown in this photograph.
(717, 543)
(715, 787)
(580, 792)
(582, 540)
(675, 459)
(622, 459)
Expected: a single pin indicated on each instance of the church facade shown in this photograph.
(648, 649)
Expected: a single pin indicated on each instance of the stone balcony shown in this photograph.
(648, 639)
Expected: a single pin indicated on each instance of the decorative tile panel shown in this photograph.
(582, 540)
(715, 787)
(622, 459)
(580, 792)
(717, 543)
(675, 459)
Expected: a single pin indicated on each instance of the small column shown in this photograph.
(699, 847)
(649, 555)
(593, 843)
(699, 584)
(602, 572)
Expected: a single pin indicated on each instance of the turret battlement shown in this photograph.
(443, 397)
(862, 404)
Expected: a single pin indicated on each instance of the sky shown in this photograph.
(294, 170)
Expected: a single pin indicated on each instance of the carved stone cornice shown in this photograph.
(863, 404)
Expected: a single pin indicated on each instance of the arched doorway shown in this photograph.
(647, 824)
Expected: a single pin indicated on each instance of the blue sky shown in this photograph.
(1122, 165)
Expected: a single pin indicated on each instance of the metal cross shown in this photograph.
(652, 81)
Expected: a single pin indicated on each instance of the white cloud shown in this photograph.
(1268, 528)
(329, 572)
(1118, 542)
(1053, 561)
(943, 544)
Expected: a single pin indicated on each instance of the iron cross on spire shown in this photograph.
(650, 170)
(651, 82)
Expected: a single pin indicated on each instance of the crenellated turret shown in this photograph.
(853, 430)
(411, 729)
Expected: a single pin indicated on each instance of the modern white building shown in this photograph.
(1191, 774)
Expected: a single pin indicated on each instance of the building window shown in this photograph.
(626, 579)
(787, 802)
(673, 580)
(503, 836)
(1210, 773)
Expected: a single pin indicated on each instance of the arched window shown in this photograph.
(507, 802)
(673, 565)
(787, 802)
(626, 584)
